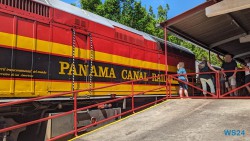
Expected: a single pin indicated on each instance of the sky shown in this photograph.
(176, 6)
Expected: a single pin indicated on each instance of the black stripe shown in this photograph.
(50, 67)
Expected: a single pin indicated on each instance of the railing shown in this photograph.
(169, 95)
(218, 93)
(75, 110)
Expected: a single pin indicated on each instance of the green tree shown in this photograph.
(198, 52)
(127, 12)
(112, 10)
(161, 16)
(151, 12)
(136, 16)
(151, 24)
(140, 17)
(90, 5)
(162, 13)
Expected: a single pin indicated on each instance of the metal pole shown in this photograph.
(167, 88)
(75, 113)
(166, 58)
(133, 100)
(218, 84)
(193, 84)
(170, 91)
(209, 54)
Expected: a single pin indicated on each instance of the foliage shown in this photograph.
(199, 52)
(133, 14)
(90, 5)
(111, 10)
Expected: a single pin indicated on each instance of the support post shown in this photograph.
(170, 88)
(75, 113)
(166, 60)
(133, 99)
(193, 85)
(217, 81)
(209, 54)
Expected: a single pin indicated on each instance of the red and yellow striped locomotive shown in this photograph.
(49, 47)
(41, 41)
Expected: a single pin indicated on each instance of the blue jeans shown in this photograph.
(182, 85)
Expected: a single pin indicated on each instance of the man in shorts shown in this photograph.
(229, 65)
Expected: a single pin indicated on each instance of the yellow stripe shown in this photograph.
(7, 39)
(27, 88)
(61, 49)
(118, 121)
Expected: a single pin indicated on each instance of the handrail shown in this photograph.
(168, 86)
(227, 93)
(191, 73)
(192, 85)
(109, 118)
(212, 72)
(75, 110)
(70, 112)
(217, 81)
(70, 92)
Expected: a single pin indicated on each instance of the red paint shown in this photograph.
(43, 31)
(6, 25)
(105, 39)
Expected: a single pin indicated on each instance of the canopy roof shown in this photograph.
(224, 33)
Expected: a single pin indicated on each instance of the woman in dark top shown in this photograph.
(205, 79)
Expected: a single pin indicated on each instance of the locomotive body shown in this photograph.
(41, 42)
(48, 47)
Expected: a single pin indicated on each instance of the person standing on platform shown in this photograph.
(183, 77)
(247, 73)
(229, 65)
(205, 79)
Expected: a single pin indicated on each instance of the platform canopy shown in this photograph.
(222, 26)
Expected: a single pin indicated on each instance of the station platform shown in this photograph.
(181, 120)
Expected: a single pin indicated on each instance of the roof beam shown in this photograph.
(245, 39)
(242, 54)
(187, 37)
(227, 40)
(187, 14)
(237, 23)
(227, 6)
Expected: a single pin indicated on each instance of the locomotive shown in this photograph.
(48, 47)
